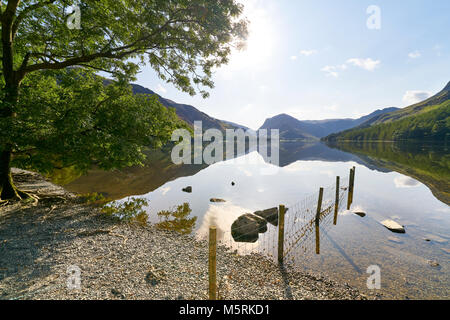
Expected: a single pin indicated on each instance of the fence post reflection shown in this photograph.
(336, 202)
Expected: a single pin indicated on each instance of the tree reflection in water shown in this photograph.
(177, 219)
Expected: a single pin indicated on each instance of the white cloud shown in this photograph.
(308, 53)
(405, 182)
(412, 97)
(414, 55)
(366, 64)
(332, 71)
(293, 58)
(164, 190)
(160, 89)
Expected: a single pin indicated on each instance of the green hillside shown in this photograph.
(429, 123)
(415, 109)
(426, 120)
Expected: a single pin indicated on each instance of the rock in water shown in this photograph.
(393, 226)
(435, 238)
(216, 200)
(187, 189)
(433, 263)
(270, 215)
(247, 228)
(361, 214)
(232, 183)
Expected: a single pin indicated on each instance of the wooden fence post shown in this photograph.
(350, 190)
(281, 212)
(353, 184)
(336, 202)
(212, 263)
(317, 221)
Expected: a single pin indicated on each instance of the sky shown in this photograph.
(322, 59)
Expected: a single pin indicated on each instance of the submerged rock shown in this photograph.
(247, 228)
(393, 226)
(435, 238)
(270, 215)
(216, 200)
(187, 189)
(433, 263)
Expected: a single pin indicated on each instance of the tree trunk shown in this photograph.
(8, 191)
(11, 89)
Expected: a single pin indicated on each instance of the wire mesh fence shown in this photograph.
(295, 232)
(300, 221)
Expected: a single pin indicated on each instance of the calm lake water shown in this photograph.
(409, 184)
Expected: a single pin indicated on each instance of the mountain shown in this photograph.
(290, 128)
(294, 129)
(189, 113)
(417, 108)
(426, 120)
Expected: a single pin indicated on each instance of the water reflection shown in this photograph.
(177, 219)
(427, 163)
(408, 184)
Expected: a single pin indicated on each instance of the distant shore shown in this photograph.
(39, 242)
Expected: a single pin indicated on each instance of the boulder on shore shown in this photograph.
(247, 228)
(270, 215)
(393, 226)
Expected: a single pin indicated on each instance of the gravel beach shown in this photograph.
(40, 243)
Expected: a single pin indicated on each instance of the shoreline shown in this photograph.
(125, 261)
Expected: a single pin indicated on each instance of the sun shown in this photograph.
(260, 42)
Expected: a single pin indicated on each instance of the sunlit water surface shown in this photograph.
(350, 247)
(347, 249)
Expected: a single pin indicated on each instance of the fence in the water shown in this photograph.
(295, 230)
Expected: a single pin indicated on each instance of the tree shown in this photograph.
(182, 40)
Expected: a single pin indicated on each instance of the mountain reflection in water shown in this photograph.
(407, 183)
(429, 164)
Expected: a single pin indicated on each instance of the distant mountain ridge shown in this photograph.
(294, 129)
(437, 99)
(189, 113)
(426, 120)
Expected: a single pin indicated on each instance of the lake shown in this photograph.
(408, 183)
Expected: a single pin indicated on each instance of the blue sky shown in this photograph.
(318, 60)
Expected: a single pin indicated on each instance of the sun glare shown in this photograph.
(260, 42)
